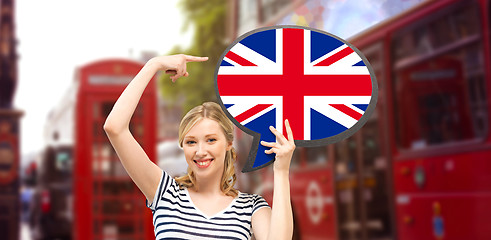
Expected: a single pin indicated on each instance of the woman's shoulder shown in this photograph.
(253, 197)
(244, 194)
(252, 201)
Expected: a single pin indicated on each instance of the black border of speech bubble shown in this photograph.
(248, 167)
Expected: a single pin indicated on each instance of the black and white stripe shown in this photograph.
(176, 217)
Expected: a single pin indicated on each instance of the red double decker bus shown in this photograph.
(83, 190)
(420, 168)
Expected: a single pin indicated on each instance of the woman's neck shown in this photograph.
(208, 186)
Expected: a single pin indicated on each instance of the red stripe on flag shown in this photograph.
(346, 110)
(238, 59)
(308, 85)
(251, 112)
(293, 72)
(335, 57)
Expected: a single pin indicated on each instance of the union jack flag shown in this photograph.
(316, 81)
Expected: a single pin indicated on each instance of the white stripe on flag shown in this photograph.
(318, 60)
(251, 55)
(244, 103)
(230, 61)
(355, 108)
(321, 105)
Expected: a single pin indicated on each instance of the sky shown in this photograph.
(56, 36)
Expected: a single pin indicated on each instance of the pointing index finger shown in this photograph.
(190, 58)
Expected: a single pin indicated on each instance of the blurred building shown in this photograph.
(9, 126)
(169, 117)
(60, 125)
(83, 190)
(340, 17)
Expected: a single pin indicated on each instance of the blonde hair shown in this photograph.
(211, 111)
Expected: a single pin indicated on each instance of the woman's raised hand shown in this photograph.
(175, 64)
(283, 148)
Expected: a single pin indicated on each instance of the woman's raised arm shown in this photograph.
(142, 171)
(277, 222)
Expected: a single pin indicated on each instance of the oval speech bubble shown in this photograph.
(323, 85)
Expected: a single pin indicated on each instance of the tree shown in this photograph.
(208, 19)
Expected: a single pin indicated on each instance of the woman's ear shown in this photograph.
(229, 146)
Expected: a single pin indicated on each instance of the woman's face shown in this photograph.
(205, 147)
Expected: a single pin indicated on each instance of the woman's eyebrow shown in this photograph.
(211, 135)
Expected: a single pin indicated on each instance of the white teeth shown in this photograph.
(203, 163)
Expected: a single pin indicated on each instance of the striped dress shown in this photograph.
(176, 217)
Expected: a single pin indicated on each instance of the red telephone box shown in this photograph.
(107, 204)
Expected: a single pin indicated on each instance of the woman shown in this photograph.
(202, 204)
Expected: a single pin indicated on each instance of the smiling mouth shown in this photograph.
(203, 163)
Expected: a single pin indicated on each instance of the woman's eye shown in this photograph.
(211, 140)
(190, 142)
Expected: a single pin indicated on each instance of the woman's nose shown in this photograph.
(201, 151)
